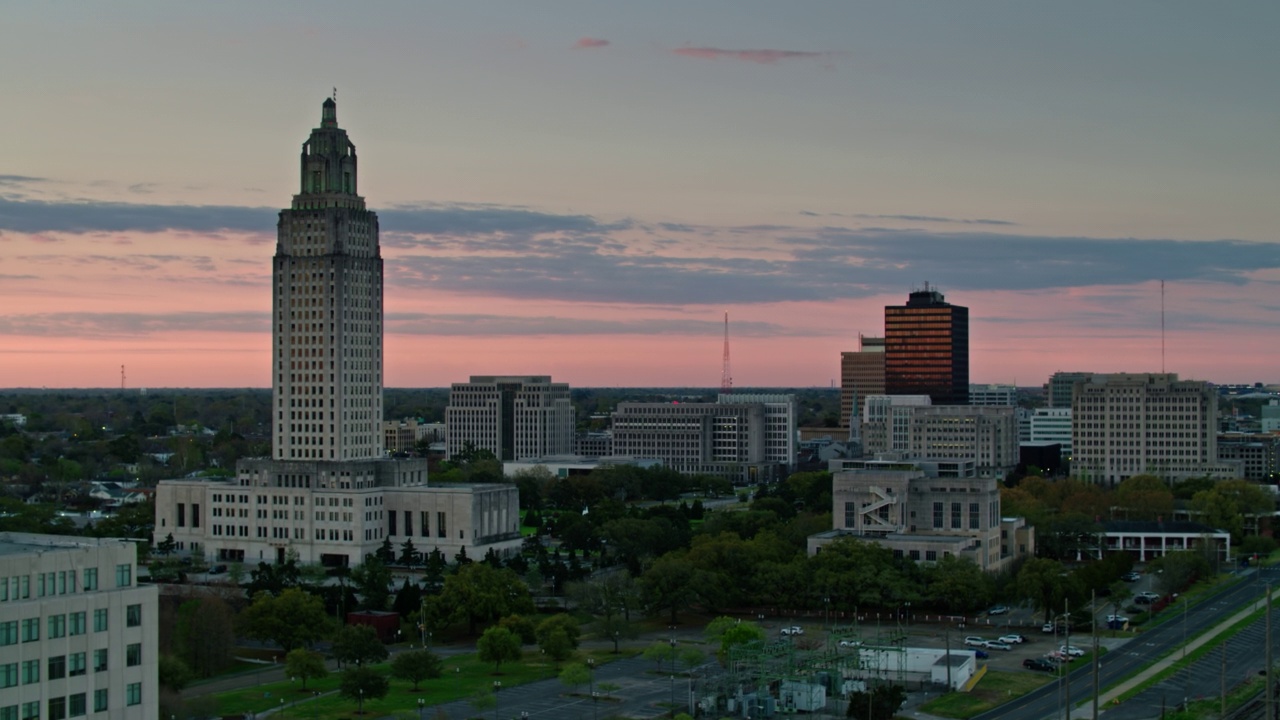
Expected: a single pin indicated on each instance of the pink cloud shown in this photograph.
(588, 42)
(757, 56)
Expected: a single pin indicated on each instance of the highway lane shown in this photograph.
(1135, 655)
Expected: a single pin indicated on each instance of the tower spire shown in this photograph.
(726, 378)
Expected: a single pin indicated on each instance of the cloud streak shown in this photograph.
(764, 57)
(590, 42)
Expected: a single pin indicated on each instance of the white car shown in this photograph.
(1117, 619)
(850, 643)
(1071, 650)
(975, 641)
(1012, 639)
(792, 630)
(997, 645)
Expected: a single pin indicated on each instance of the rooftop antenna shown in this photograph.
(726, 378)
(335, 94)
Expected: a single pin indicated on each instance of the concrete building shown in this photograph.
(514, 417)
(1057, 391)
(861, 376)
(1270, 420)
(593, 444)
(1052, 425)
(926, 346)
(83, 637)
(913, 429)
(923, 510)
(1147, 423)
(1257, 454)
(328, 494)
(747, 439)
(1147, 540)
(402, 435)
(997, 395)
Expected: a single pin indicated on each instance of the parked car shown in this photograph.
(975, 641)
(1131, 577)
(1039, 664)
(792, 630)
(1118, 619)
(1048, 628)
(997, 645)
(1071, 650)
(998, 610)
(850, 643)
(981, 654)
(1141, 600)
(1013, 639)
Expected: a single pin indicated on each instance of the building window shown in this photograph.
(124, 575)
(9, 632)
(76, 664)
(100, 700)
(90, 579)
(974, 517)
(133, 694)
(31, 710)
(100, 620)
(9, 712)
(937, 516)
(133, 616)
(30, 672)
(850, 514)
(931, 555)
(182, 514)
(955, 516)
(8, 675)
(133, 654)
(57, 626)
(100, 660)
(31, 630)
(440, 527)
(57, 708)
(57, 667)
(76, 704)
(77, 622)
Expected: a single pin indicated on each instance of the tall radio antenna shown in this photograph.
(122, 377)
(1162, 327)
(726, 377)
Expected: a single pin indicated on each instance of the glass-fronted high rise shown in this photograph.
(926, 348)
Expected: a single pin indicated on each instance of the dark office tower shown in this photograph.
(926, 349)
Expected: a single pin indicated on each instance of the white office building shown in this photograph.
(909, 427)
(1052, 425)
(517, 417)
(80, 636)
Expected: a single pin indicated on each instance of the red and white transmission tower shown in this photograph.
(726, 377)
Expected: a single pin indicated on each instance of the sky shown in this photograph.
(584, 189)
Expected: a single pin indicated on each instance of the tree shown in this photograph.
(575, 675)
(408, 599)
(362, 683)
(416, 666)
(385, 552)
(882, 703)
(167, 545)
(372, 580)
(205, 635)
(1144, 497)
(479, 593)
(358, 645)
(293, 619)
(668, 584)
(1046, 583)
(173, 673)
(957, 584)
(522, 626)
(558, 636)
(1175, 571)
(305, 665)
(408, 553)
(1229, 503)
(273, 578)
(729, 632)
(498, 645)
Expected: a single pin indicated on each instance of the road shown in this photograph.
(1046, 702)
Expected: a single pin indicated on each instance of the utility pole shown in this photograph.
(947, 635)
(1066, 677)
(1222, 683)
(1269, 691)
(1092, 605)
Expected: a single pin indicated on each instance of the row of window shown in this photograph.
(60, 582)
(62, 625)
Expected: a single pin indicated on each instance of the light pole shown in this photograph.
(281, 707)
(422, 707)
(826, 610)
(591, 669)
(497, 686)
(673, 677)
(361, 708)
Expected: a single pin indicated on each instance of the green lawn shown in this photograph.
(995, 688)
(464, 676)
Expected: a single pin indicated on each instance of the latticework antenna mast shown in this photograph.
(726, 377)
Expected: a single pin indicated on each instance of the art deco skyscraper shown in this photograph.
(926, 346)
(327, 308)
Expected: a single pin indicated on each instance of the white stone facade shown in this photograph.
(514, 417)
(78, 636)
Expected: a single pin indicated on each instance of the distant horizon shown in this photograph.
(588, 189)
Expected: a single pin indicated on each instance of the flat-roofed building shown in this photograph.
(914, 429)
(861, 376)
(515, 417)
(80, 637)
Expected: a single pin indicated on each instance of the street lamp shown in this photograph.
(826, 609)
(673, 677)
(591, 667)
(497, 686)
(361, 708)
(281, 707)
(422, 706)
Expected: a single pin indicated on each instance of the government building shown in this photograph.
(329, 494)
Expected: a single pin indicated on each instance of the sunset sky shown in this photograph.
(583, 189)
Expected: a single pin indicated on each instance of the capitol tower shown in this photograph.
(329, 494)
(326, 291)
